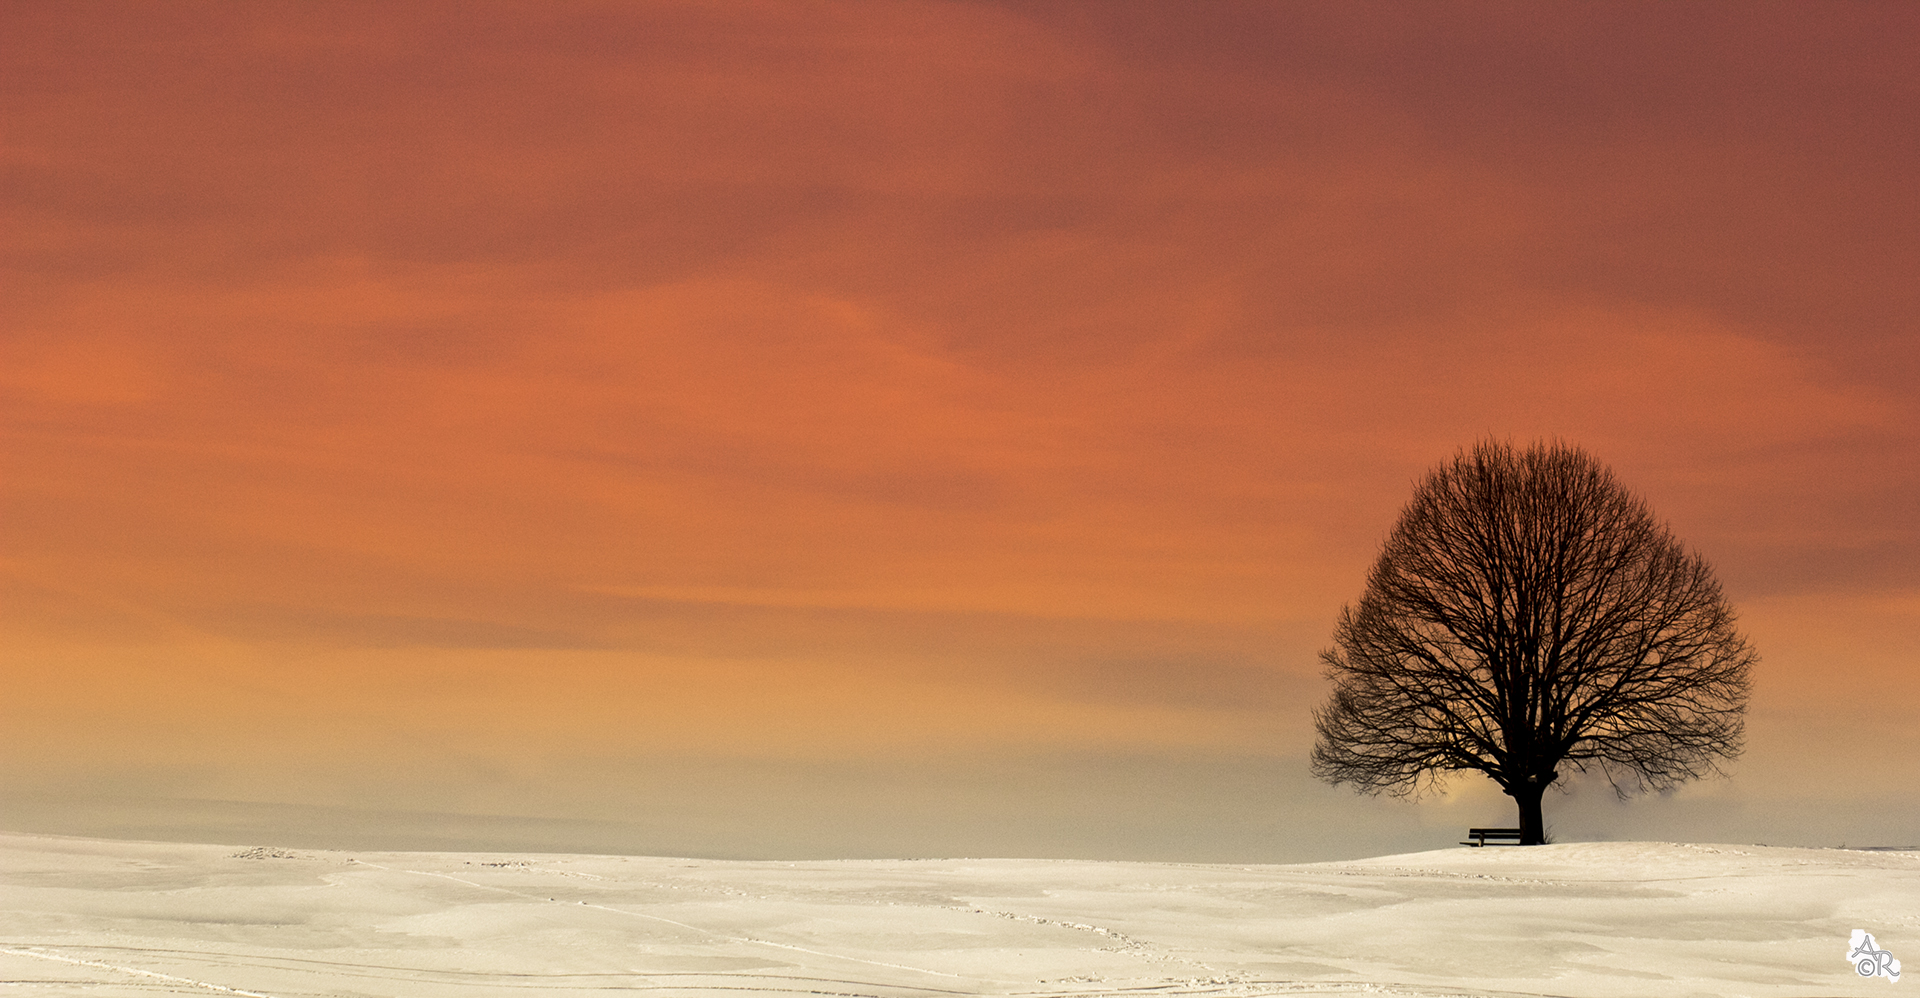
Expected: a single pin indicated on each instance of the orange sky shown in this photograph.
(907, 429)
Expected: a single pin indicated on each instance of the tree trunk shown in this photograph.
(1533, 831)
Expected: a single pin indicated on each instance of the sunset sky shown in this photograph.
(907, 429)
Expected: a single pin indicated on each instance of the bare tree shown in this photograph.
(1528, 612)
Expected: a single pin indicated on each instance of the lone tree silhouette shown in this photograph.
(1527, 612)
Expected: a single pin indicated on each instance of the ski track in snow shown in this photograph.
(133, 971)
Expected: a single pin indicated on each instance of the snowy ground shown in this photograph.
(104, 918)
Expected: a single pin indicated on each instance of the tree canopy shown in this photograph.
(1527, 613)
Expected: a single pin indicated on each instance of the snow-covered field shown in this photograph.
(106, 918)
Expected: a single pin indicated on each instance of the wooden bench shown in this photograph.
(1499, 835)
